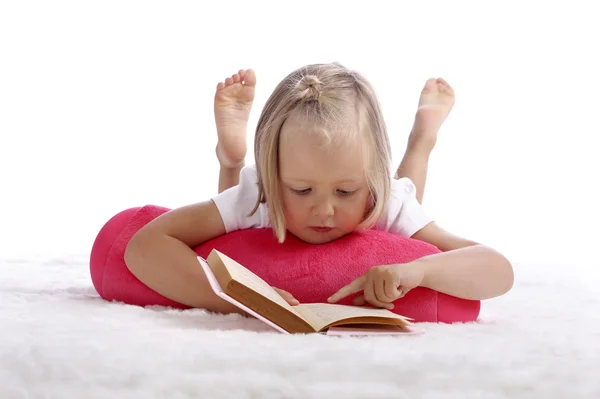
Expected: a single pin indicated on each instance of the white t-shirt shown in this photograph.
(403, 214)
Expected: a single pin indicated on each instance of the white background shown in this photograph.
(108, 105)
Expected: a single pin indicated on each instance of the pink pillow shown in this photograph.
(310, 272)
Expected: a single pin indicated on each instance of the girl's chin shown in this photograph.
(313, 236)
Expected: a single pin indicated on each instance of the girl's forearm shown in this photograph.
(171, 268)
(475, 272)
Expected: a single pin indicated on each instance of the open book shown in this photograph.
(244, 289)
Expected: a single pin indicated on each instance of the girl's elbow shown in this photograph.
(504, 272)
(508, 275)
(509, 281)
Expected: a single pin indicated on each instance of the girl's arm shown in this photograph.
(466, 269)
(160, 255)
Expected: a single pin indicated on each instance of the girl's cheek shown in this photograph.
(292, 208)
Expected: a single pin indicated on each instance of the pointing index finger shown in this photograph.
(351, 288)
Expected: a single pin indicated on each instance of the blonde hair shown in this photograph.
(326, 94)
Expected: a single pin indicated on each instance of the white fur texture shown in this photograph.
(58, 339)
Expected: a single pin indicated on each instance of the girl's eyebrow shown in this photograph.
(299, 180)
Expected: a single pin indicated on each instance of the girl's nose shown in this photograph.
(324, 208)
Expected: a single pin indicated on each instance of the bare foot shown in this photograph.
(233, 102)
(435, 103)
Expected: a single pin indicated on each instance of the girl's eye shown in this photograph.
(305, 191)
(302, 192)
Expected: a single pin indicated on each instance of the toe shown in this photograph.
(430, 85)
(220, 86)
(445, 85)
(250, 78)
(447, 89)
(236, 78)
(242, 73)
(228, 81)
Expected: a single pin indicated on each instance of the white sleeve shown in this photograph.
(404, 215)
(235, 203)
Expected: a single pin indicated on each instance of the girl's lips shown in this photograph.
(321, 229)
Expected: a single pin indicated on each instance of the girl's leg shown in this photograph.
(233, 102)
(414, 165)
(229, 177)
(435, 103)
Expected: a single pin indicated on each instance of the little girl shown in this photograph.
(323, 170)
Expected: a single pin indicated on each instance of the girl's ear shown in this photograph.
(370, 202)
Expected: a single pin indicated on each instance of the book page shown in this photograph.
(369, 329)
(320, 315)
(252, 281)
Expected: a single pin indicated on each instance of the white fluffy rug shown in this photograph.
(58, 339)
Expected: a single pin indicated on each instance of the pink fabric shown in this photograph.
(310, 272)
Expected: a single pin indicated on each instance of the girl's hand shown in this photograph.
(382, 285)
(287, 296)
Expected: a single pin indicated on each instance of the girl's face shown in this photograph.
(324, 191)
